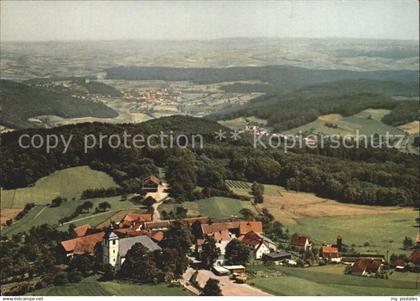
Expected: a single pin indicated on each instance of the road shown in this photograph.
(228, 287)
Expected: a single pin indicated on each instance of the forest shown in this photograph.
(371, 176)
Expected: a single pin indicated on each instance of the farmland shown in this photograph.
(367, 228)
(52, 215)
(214, 207)
(328, 280)
(92, 287)
(68, 183)
(368, 233)
(367, 122)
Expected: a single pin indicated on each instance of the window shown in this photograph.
(114, 242)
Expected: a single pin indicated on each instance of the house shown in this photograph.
(116, 248)
(366, 267)
(330, 253)
(235, 269)
(82, 245)
(300, 243)
(160, 225)
(82, 230)
(234, 226)
(415, 257)
(248, 226)
(151, 184)
(399, 265)
(258, 244)
(135, 220)
(277, 257)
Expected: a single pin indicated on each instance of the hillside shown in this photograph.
(19, 102)
(279, 78)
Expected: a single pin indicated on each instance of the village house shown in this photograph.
(300, 243)
(82, 245)
(277, 257)
(115, 248)
(330, 253)
(151, 184)
(82, 230)
(259, 244)
(367, 267)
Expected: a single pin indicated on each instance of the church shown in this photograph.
(116, 248)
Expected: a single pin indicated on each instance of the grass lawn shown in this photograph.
(52, 215)
(214, 207)
(327, 281)
(68, 183)
(382, 232)
(244, 188)
(91, 287)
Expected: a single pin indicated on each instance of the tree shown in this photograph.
(196, 230)
(257, 192)
(57, 202)
(60, 278)
(407, 243)
(212, 288)
(237, 252)
(104, 206)
(109, 273)
(179, 236)
(210, 252)
(74, 276)
(149, 201)
(139, 264)
(87, 206)
(247, 214)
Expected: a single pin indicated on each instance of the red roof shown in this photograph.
(415, 257)
(252, 239)
(329, 250)
(298, 240)
(398, 263)
(218, 227)
(158, 235)
(81, 230)
(248, 226)
(365, 264)
(191, 220)
(138, 217)
(83, 245)
(221, 235)
(152, 179)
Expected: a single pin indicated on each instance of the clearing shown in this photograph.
(68, 183)
(411, 127)
(214, 207)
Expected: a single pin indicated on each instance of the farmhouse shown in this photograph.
(259, 244)
(151, 183)
(366, 267)
(300, 243)
(115, 248)
(82, 245)
(82, 230)
(330, 253)
(277, 257)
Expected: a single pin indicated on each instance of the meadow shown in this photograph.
(367, 122)
(68, 183)
(214, 207)
(328, 281)
(92, 287)
(51, 215)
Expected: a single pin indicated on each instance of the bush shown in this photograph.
(75, 276)
(61, 278)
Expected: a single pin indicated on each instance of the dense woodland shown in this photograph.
(363, 175)
(20, 101)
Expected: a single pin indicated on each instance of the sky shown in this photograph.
(120, 20)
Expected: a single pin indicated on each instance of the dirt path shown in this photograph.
(90, 216)
(40, 212)
(159, 196)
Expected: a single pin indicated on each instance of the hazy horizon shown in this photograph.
(66, 21)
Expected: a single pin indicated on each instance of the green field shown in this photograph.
(382, 232)
(214, 207)
(241, 122)
(51, 215)
(68, 183)
(92, 287)
(367, 122)
(329, 281)
(244, 188)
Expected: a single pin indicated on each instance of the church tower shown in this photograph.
(110, 249)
